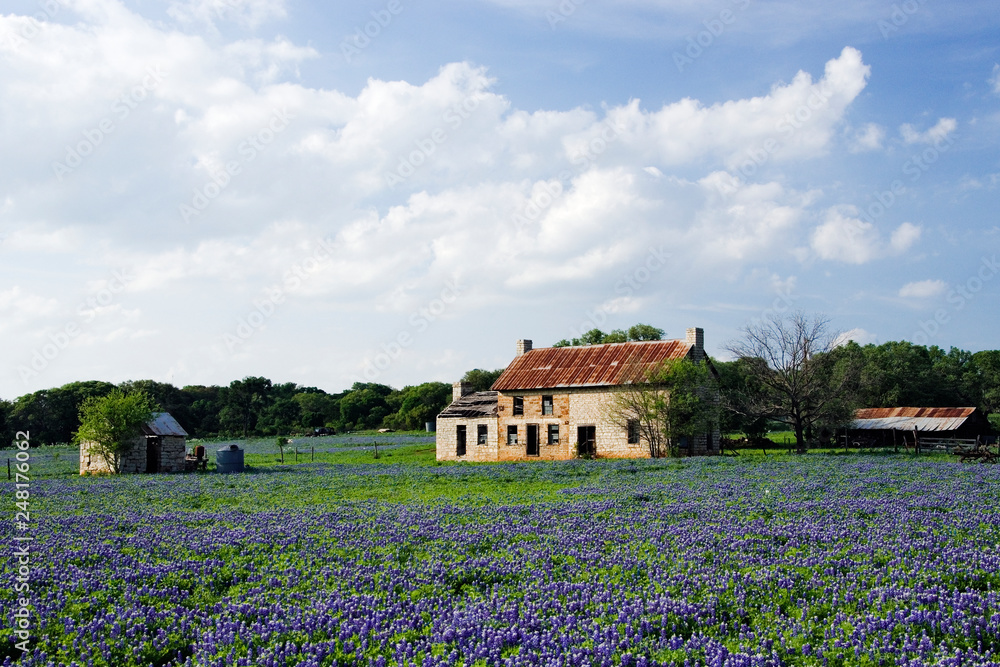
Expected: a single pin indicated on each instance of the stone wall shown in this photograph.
(447, 439)
(133, 461)
(173, 450)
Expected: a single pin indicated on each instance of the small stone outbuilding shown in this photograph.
(161, 447)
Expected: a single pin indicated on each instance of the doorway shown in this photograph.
(586, 438)
(460, 437)
(532, 449)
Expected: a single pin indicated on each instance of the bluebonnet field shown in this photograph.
(819, 560)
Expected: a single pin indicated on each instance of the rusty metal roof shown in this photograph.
(163, 423)
(911, 419)
(588, 365)
(471, 406)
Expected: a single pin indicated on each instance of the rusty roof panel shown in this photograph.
(911, 419)
(586, 366)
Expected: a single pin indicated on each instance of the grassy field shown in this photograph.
(754, 559)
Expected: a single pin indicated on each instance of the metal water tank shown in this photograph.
(229, 459)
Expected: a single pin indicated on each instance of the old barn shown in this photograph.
(912, 427)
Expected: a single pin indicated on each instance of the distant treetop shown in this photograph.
(637, 332)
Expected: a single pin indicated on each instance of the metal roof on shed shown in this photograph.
(470, 406)
(163, 423)
(911, 419)
(588, 365)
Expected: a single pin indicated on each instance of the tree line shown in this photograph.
(253, 406)
(790, 370)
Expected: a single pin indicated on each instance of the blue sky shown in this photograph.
(196, 191)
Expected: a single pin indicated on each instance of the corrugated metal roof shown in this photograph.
(163, 423)
(586, 366)
(470, 406)
(911, 419)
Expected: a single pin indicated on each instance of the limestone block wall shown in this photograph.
(173, 449)
(589, 407)
(446, 442)
(134, 461)
(532, 403)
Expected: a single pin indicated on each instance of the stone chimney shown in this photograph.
(460, 389)
(696, 339)
(522, 347)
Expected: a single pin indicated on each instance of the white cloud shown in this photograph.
(939, 132)
(923, 289)
(249, 13)
(858, 335)
(903, 237)
(867, 138)
(844, 237)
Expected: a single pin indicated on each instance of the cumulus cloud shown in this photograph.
(250, 13)
(867, 138)
(844, 237)
(939, 132)
(923, 289)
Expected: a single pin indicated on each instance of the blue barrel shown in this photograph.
(229, 459)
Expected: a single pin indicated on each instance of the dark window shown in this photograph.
(460, 436)
(518, 405)
(633, 431)
(482, 434)
(512, 435)
(546, 405)
(553, 434)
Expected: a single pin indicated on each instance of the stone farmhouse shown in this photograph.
(551, 403)
(161, 447)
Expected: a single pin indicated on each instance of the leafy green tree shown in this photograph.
(365, 406)
(52, 415)
(318, 409)
(481, 380)
(282, 416)
(984, 371)
(644, 332)
(7, 426)
(637, 332)
(242, 404)
(416, 405)
(670, 401)
(111, 424)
